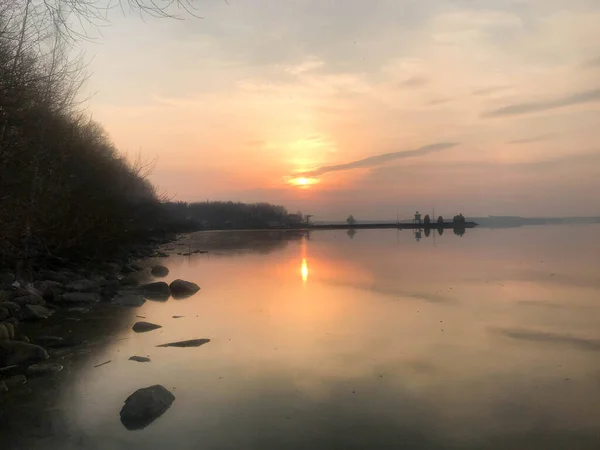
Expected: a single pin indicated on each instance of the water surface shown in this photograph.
(373, 339)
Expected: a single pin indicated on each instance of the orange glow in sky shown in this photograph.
(303, 182)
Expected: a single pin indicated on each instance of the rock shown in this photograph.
(3, 333)
(35, 312)
(10, 327)
(22, 338)
(182, 289)
(5, 296)
(61, 277)
(78, 297)
(139, 359)
(130, 300)
(15, 380)
(190, 343)
(177, 317)
(142, 327)
(110, 267)
(4, 313)
(162, 255)
(44, 368)
(78, 309)
(49, 289)
(7, 279)
(130, 280)
(144, 406)
(12, 307)
(49, 341)
(15, 352)
(110, 288)
(159, 271)
(84, 285)
(137, 267)
(156, 291)
(29, 299)
(127, 269)
(3, 387)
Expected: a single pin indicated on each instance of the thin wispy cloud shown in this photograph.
(378, 160)
(488, 91)
(413, 82)
(592, 63)
(530, 140)
(516, 109)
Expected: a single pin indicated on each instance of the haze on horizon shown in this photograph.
(336, 108)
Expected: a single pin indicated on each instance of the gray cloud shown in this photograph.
(377, 160)
(412, 82)
(578, 98)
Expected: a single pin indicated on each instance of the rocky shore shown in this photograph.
(63, 289)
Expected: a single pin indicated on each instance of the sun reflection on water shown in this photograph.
(304, 270)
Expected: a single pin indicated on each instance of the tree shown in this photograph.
(440, 220)
(459, 221)
(426, 220)
(351, 220)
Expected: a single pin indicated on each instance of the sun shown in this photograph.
(303, 182)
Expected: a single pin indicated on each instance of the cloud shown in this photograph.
(412, 82)
(377, 160)
(592, 63)
(578, 98)
(553, 338)
(530, 140)
(489, 90)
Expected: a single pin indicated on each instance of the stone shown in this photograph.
(144, 406)
(10, 327)
(156, 291)
(3, 387)
(111, 287)
(44, 368)
(15, 380)
(12, 307)
(139, 359)
(84, 285)
(22, 338)
(130, 300)
(127, 269)
(49, 341)
(142, 327)
(16, 352)
(5, 296)
(78, 297)
(29, 299)
(159, 271)
(4, 313)
(137, 267)
(3, 333)
(130, 280)
(49, 289)
(7, 279)
(61, 277)
(182, 289)
(190, 343)
(78, 310)
(35, 312)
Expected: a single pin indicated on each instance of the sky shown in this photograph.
(485, 107)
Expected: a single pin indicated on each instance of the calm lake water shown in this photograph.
(375, 340)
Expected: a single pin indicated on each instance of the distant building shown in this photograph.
(417, 218)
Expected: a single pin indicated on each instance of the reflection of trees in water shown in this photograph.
(235, 242)
(427, 232)
(459, 231)
(440, 231)
(351, 233)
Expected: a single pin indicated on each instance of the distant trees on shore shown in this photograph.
(351, 220)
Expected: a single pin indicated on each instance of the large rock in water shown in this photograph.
(16, 352)
(156, 291)
(44, 368)
(182, 289)
(189, 343)
(78, 297)
(130, 300)
(159, 271)
(144, 406)
(142, 327)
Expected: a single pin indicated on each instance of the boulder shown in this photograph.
(142, 327)
(130, 300)
(61, 277)
(159, 271)
(35, 312)
(144, 406)
(190, 343)
(7, 279)
(156, 291)
(182, 289)
(11, 329)
(48, 341)
(137, 267)
(139, 359)
(16, 352)
(84, 285)
(44, 368)
(127, 269)
(49, 289)
(110, 288)
(4, 313)
(78, 297)
(130, 280)
(29, 299)
(5, 296)
(3, 333)
(15, 380)
(12, 307)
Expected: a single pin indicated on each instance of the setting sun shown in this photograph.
(303, 181)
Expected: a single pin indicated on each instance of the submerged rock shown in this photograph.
(78, 297)
(16, 352)
(130, 300)
(156, 291)
(142, 327)
(189, 343)
(139, 359)
(159, 271)
(182, 288)
(44, 368)
(144, 406)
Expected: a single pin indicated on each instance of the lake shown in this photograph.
(378, 339)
